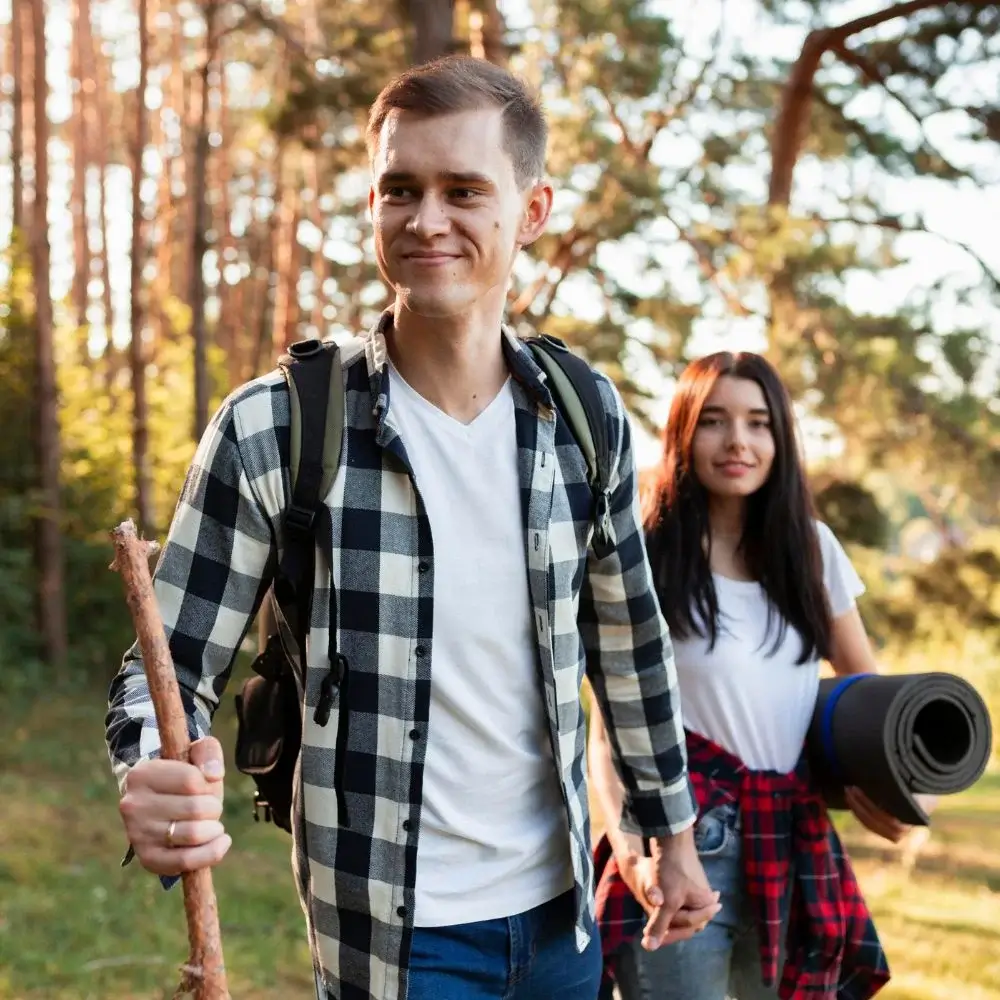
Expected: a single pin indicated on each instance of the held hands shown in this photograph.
(171, 811)
(672, 889)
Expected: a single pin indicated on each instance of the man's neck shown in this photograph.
(455, 363)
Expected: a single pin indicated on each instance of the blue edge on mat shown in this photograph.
(826, 722)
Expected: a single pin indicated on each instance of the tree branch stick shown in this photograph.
(204, 974)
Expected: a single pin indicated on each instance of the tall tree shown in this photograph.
(17, 99)
(137, 346)
(199, 245)
(51, 593)
(432, 22)
(78, 197)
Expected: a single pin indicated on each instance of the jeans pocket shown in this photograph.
(715, 830)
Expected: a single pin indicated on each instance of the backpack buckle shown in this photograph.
(260, 803)
(603, 534)
(269, 661)
(299, 519)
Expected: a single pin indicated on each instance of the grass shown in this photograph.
(74, 925)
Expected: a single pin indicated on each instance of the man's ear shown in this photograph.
(537, 209)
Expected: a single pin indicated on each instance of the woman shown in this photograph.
(756, 593)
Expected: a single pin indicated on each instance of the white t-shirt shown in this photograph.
(755, 703)
(494, 837)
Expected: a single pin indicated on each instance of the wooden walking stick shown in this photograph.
(204, 975)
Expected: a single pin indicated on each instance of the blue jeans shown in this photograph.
(530, 956)
(723, 961)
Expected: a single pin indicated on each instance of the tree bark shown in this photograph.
(433, 26)
(179, 232)
(51, 592)
(29, 142)
(225, 334)
(318, 265)
(199, 242)
(263, 310)
(137, 348)
(487, 30)
(78, 198)
(286, 291)
(93, 75)
(17, 133)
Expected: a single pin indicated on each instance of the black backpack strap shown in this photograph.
(578, 397)
(316, 401)
(316, 427)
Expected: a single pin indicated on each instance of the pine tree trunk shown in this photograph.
(17, 132)
(199, 242)
(137, 351)
(28, 141)
(78, 198)
(227, 324)
(51, 592)
(432, 22)
(285, 292)
(97, 126)
(318, 265)
(264, 304)
(181, 222)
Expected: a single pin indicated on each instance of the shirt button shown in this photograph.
(414, 734)
(407, 825)
(423, 566)
(421, 650)
(401, 911)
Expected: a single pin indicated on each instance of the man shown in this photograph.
(468, 604)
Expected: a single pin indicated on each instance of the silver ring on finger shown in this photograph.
(170, 834)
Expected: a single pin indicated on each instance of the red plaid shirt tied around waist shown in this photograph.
(831, 946)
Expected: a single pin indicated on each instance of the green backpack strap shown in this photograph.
(310, 367)
(578, 398)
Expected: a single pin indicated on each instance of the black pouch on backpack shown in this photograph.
(269, 733)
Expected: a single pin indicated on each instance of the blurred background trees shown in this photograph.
(185, 188)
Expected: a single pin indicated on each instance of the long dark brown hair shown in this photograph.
(779, 543)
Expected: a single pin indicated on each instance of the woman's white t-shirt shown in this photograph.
(745, 694)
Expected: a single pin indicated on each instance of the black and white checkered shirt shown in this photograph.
(594, 616)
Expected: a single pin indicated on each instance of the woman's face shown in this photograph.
(733, 448)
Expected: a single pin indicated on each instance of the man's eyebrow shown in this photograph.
(450, 176)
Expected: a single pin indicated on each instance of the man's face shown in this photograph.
(449, 216)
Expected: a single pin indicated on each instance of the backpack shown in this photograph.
(268, 706)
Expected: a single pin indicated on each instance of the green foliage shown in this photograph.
(96, 488)
(853, 514)
(937, 615)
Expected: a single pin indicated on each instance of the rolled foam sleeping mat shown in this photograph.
(896, 736)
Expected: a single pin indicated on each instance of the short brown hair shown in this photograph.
(462, 83)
